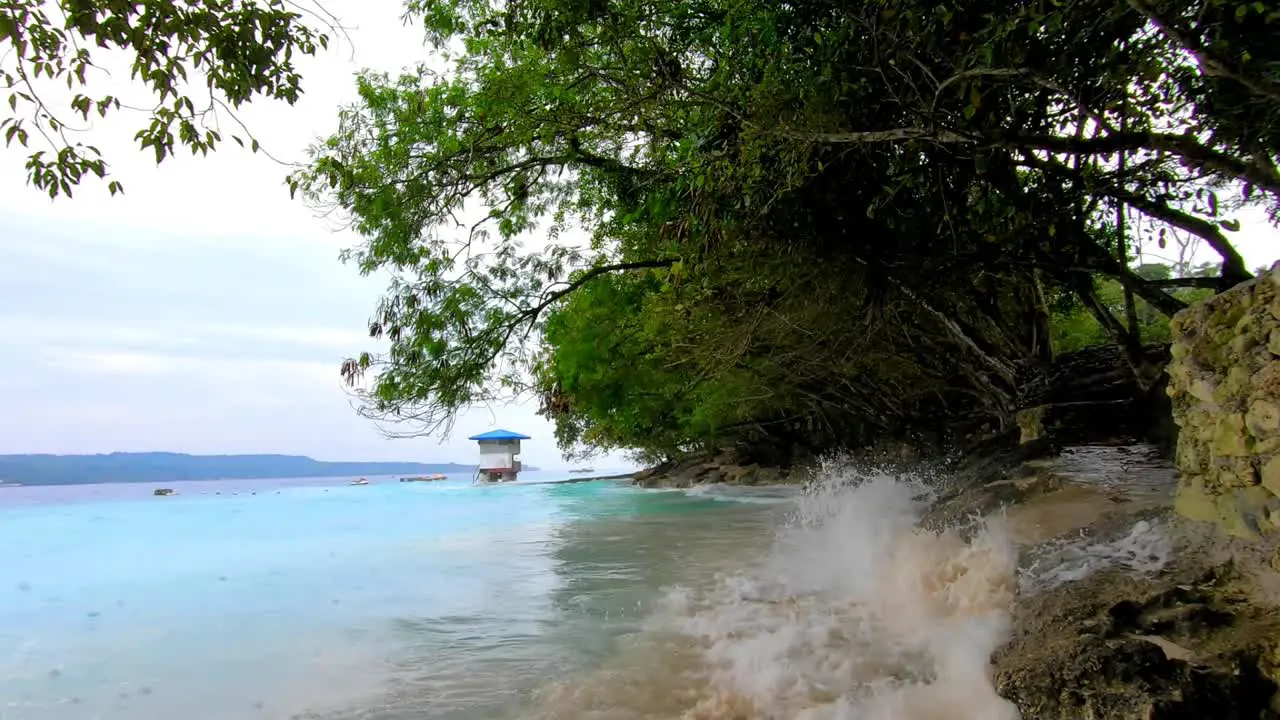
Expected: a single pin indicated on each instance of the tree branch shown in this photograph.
(596, 161)
(1129, 343)
(1210, 66)
(1211, 283)
(1192, 152)
(1234, 270)
(878, 136)
(586, 277)
(1003, 369)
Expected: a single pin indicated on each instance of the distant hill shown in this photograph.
(174, 467)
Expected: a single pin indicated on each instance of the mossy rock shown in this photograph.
(1269, 475)
(1263, 418)
(1244, 512)
(1229, 437)
(1030, 424)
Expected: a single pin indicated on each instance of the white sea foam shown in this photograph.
(857, 613)
(763, 494)
(1144, 550)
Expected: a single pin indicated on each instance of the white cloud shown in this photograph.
(111, 363)
(345, 339)
(26, 330)
(115, 414)
(204, 310)
(209, 369)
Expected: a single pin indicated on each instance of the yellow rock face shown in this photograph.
(1224, 384)
(1229, 439)
(1270, 475)
(1273, 341)
(1263, 418)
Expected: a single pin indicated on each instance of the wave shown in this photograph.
(764, 494)
(857, 613)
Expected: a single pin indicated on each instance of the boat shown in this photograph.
(361, 481)
(584, 470)
(425, 478)
(161, 492)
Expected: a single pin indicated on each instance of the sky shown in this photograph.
(207, 312)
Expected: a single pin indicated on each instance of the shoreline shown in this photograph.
(568, 481)
(1196, 630)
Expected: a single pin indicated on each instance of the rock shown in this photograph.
(1029, 424)
(1244, 512)
(1195, 502)
(1204, 390)
(1270, 475)
(1229, 439)
(1172, 650)
(720, 467)
(1238, 513)
(1182, 646)
(768, 476)
(1224, 385)
(1263, 418)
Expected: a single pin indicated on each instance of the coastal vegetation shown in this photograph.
(692, 225)
(701, 224)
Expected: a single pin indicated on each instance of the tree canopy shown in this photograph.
(194, 58)
(807, 222)
(694, 223)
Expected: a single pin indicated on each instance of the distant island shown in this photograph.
(149, 467)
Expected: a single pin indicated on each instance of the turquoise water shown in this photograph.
(286, 599)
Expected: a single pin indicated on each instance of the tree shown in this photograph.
(195, 59)
(885, 194)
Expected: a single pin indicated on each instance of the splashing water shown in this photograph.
(857, 613)
(1144, 550)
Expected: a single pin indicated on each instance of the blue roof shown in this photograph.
(499, 435)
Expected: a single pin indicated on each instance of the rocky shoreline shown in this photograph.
(1177, 484)
(719, 468)
(1199, 637)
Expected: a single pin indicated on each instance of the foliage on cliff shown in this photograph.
(701, 222)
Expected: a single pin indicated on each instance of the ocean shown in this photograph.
(287, 598)
(597, 600)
